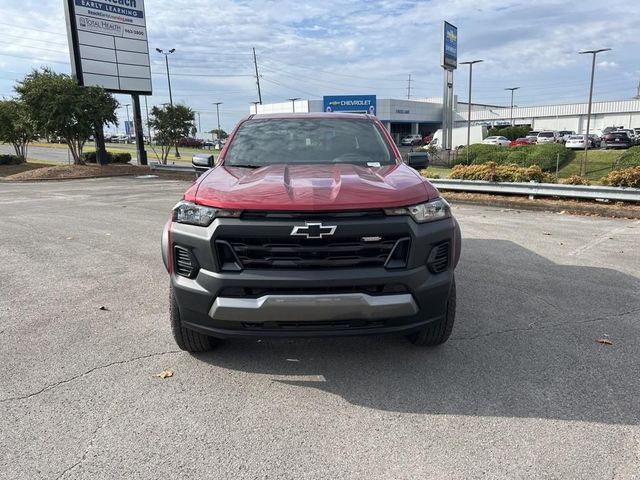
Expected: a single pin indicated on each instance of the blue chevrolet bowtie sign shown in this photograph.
(450, 46)
(350, 103)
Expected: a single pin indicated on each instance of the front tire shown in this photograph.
(437, 333)
(186, 339)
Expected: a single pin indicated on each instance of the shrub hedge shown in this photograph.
(630, 158)
(510, 132)
(575, 180)
(545, 156)
(493, 172)
(11, 160)
(625, 177)
(120, 157)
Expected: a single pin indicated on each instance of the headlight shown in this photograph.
(193, 214)
(424, 212)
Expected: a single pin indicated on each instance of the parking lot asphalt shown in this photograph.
(521, 390)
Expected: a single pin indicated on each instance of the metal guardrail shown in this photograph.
(541, 189)
(172, 168)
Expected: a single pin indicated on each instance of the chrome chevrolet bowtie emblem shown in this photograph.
(313, 230)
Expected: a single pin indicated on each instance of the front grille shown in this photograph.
(298, 253)
(438, 261)
(185, 263)
(359, 214)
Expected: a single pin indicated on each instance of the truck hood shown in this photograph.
(322, 187)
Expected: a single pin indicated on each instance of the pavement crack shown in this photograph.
(84, 454)
(533, 326)
(88, 372)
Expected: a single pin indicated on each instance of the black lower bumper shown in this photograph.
(313, 302)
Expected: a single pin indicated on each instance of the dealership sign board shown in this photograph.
(449, 46)
(350, 103)
(108, 44)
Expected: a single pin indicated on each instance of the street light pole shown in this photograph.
(166, 59)
(293, 103)
(128, 122)
(512, 90)
(583, 165)
(471, 64)
(255, 107)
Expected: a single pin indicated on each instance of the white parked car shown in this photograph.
(415, 139)
(548, 136)
(496, 140)
(575, 142)
(533, 136)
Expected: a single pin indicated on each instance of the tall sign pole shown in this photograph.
(449, 62)
(109, 49)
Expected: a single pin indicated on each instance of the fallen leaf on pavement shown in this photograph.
(546, 233)
(104, 309)
(165, 374)
(604, 341)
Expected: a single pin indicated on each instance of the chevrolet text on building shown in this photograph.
(108, 45)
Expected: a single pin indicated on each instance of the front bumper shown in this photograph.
(312, 302)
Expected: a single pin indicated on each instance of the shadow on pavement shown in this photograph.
(524, 345)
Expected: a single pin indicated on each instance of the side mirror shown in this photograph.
(202, 163)
(418, 159)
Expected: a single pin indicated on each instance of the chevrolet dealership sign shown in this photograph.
(108, 44)
(350, 103)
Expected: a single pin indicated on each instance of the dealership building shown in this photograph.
(424, 115)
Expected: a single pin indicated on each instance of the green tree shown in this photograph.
(59, 107)
(16, 126)
(221, 134)
(171, 123)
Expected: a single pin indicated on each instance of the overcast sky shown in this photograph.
(313, 48)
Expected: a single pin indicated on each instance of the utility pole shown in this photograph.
(217, 104)
(471, 63)
(409, 88)
(255, 63)
(637, 97)
(199, 124)
(255, 107)
(512, 90)
(583, 165)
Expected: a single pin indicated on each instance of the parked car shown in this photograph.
(617, 140)
(596, 141)
(520, 141)
(565, 134)
(251, 253)
(533, 136)
(497, 140)
(576, 142)
(629, 132)
(415, 139)
(190, 142)
(548, 136)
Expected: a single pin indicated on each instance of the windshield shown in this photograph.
(261, 142)
(576, 137)
(545, 134)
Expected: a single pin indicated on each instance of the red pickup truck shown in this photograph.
(310, 225)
